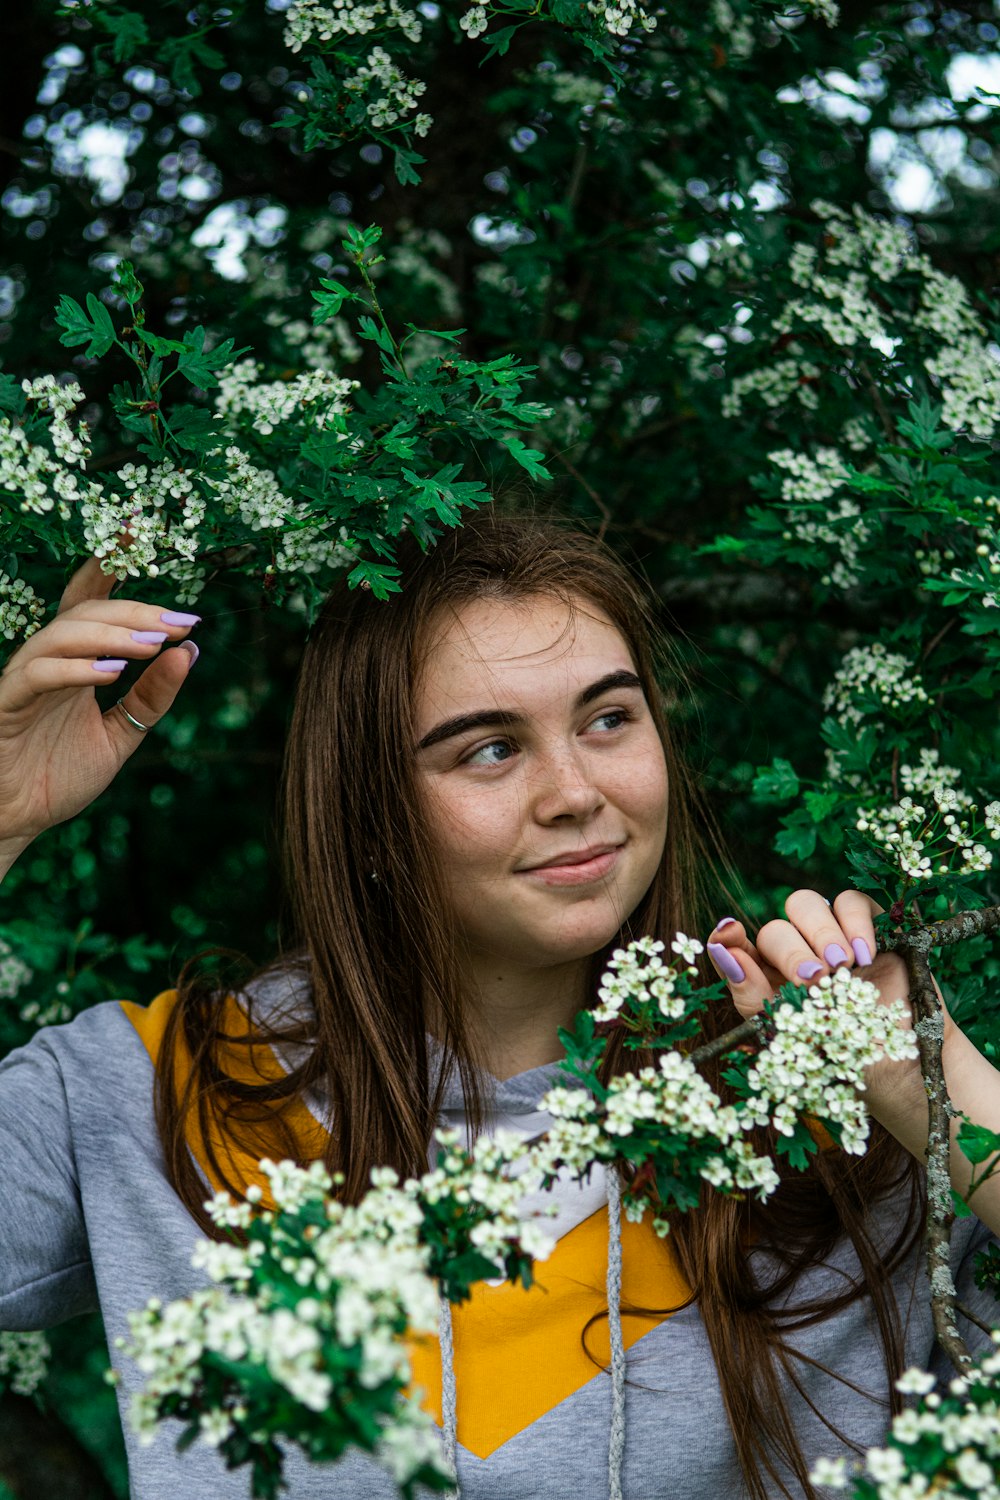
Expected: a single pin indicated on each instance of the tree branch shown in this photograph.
(929, 1030)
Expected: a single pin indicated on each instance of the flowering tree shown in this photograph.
(288, 279)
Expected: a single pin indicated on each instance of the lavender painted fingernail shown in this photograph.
(175, 617)
(862, 952)
(149, 637)
(834, 955)
(723, 922)
(809, 969)
(109, 666)
(191, 649)
(724, 960)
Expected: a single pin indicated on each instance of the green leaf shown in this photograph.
(405, 163)
(958, 1203)
(381, 578)
(497, 42)
(821, 804)
(369, 329)
(128, 29)
(201, 365)
(195, 428)
(776, 782)
(159, 345)
(529, 458)
(128, 284)
(12, 398)
(96, 330)
(796, 841)
(799, 1147)
(976, 1142)
(332, 299)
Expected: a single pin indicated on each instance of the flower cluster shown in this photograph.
(948, 1444)
(14, 972)
(776, 382)
(24, 1359)
(319, 1300)
(21, 610)
(160, 508)
(815, 1063)
(619, 16)
(827, 528)
(308, 19)
(268, 403)
(924, 840)
(872, 672)
(45, 481)
(640, 971)
(69, 443)
(675, 1092)
(869, 292)
(390, 95)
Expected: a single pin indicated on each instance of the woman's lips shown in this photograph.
(576, 870)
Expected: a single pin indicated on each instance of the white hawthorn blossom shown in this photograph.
(268, 403)
(357, 1277)
(14, 972)
(24, 1362)
(309, 19)
(391, 96)
(815, 1063)
(924, 837)
(21, 610)
(872, 671)
(946, 1445)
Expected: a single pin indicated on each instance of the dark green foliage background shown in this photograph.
(595, 212)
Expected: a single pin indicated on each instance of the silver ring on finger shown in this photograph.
(142, 728)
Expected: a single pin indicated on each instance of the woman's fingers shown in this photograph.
(32, 679)
(150, 696)
(88, 582)
(817, 939)
(108, 627)
(752, 981)
(856, 912)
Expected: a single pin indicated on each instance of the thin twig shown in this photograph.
(748, 1031)
(929, 1031)
(966, 1312)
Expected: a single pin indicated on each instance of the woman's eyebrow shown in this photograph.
(499, 718)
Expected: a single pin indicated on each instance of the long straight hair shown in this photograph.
(377, 955)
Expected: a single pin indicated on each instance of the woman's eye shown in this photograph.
(613, 719)
(493, 754)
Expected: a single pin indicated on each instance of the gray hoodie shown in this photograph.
(88, 1220)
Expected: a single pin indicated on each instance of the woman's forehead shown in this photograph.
(517, 641)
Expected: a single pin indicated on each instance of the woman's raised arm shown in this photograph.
(58, 748)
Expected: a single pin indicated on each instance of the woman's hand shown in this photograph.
(58, 750)
(815, 940)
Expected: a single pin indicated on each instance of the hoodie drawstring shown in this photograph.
(449, 1420)
(616, 1445)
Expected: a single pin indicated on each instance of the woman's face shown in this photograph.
(543, 778)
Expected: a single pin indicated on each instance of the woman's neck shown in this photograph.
(514, 1016)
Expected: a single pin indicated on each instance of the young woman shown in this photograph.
(484, 794)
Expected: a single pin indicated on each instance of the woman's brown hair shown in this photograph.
(376, 954)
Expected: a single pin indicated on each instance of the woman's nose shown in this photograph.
(565, 788)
